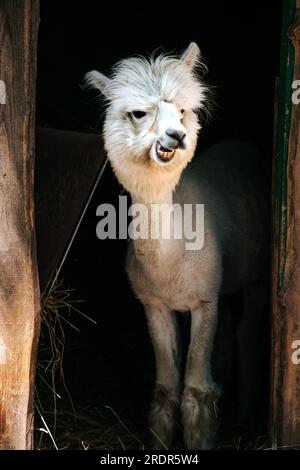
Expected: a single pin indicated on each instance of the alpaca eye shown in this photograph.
(182, 111)
(138, 114)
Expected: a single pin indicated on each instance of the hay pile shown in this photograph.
(60, 424)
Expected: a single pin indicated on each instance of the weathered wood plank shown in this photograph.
(285, 407)
(19, 290)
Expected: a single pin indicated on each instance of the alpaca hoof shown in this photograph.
(162, 418)
(199, 417)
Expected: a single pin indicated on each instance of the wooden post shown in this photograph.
(19, 288)
(285, 406)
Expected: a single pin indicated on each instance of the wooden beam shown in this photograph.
(19, 289)
(285, 407)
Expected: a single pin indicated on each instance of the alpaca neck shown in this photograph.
(155, 247)
(162, 198)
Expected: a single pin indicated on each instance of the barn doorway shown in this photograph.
(108, 365)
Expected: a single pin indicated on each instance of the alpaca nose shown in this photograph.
(176, 135)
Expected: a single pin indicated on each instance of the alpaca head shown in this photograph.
(151, 124)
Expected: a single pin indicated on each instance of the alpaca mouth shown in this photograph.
(164, 154)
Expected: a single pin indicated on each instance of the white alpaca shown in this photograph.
(150, 136)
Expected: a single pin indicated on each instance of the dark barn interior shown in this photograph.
(110, 364)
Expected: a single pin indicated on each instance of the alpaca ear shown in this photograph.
(97, 80)
(191, 55)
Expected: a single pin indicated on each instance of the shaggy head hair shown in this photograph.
(151, 124)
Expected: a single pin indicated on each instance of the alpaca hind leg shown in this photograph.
(198, 406)
(164, 406)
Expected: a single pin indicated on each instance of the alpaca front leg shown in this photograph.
(198, 406)
(164, 406)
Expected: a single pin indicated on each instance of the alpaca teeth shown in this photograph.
(166, 154)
